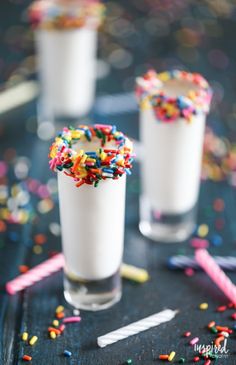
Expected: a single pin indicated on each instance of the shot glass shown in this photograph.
(92, 163)
(66, 45)
(173, 109)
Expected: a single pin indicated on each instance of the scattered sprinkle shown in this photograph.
(59, 309)
(187, 334)
(72, 319)
(52, 335)
(203, 230)
(194, 341)
(163, 357)
(26, 358)
(55, 323)
(25, 336)
(171, 356)
(67, 353)
(203, 306)
(33, 340)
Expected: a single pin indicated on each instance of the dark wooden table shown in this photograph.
(195, 35)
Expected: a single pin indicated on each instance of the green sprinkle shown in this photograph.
(103, 139)
(182, 360)
(214, 330)
(98, 133)
(129, 361)
(96, 184)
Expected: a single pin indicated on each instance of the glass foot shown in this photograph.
(92, 295)
(163, 227)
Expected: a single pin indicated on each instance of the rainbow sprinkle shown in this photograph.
(169, 109)
(110, 161)
(46, 14)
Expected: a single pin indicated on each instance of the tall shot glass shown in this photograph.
(173, 108)
(66, 46)
(92, 163)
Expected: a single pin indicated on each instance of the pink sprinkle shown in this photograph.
(71, 319)
(199, 243)
(189, 271)
(194, 341)
(3, 168)
(233, 316)
(62, 327)
(187, 334)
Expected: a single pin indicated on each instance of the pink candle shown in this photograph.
(34, 275)
(217, 275)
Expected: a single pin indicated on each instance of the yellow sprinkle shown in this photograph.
(103, 155)
(134, 273)
(55, 323)
(203, 306)
(25, 336)
(37, 249)
(33, 340)
(171, 356)
(52, 335)
(83, 159)
(59, 309)
(203, 230)
(164, 76)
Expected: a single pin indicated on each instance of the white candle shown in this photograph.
(136, 327)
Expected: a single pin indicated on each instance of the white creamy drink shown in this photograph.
(172, 123)
(92, 163)
(67, 70)
(66, 44)
(92, 222)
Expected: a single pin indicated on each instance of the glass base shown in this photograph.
(163, 227)
(93, 295)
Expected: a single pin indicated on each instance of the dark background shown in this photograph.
(193, 35)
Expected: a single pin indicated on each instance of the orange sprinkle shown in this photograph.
(23, 268)
(220, 328)
(219, 340)
(56, 330)
(3, 226)
(60, 315)
(163, 357)
(221, 308)
(211, 324)
(40, 239)
(26, 358)
(219, 205)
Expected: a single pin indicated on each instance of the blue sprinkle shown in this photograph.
(113, 130)
(88, 134)
(91, 154)
(67, 353)
(128, 172)
(14, 236)
(109, 171)
(216, 240)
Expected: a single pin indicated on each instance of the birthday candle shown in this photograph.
(36, 274)
(183, 262)
(213, 270)
(136, 327)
